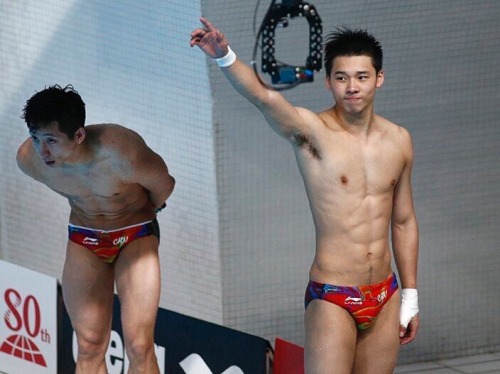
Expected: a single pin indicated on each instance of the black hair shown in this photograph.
(352, 42)
(55, 104)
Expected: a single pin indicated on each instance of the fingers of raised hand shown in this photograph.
(209, 28)
(208, 25)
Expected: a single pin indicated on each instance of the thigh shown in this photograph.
(137, 274)
(88, 285)
(378, 346)
(330, 339)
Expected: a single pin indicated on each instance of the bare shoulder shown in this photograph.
(399, 136)
(397, 132)
(124, 148)
(23, 153)
(310, 128)
(116, 140)
(316, 122)
(27, 161)
(110, 134)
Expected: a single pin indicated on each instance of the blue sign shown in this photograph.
(184, 345)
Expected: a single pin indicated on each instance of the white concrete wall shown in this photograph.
(237, 236)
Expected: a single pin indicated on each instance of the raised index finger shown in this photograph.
(208, 25)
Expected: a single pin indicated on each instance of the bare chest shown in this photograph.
(350, 167)
(87, 183)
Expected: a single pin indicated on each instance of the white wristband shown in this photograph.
(227, 60)
(409, 306)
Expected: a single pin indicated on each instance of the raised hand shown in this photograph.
(209, 40)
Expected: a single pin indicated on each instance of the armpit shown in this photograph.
(303, 141)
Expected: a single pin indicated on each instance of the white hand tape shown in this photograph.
(409, 306)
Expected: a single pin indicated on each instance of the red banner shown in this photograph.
(288, 358)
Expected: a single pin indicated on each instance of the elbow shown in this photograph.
(265, 99)
(170, 186)
(404, 223)
(166, 190)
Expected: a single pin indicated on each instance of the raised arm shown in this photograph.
(283, 117)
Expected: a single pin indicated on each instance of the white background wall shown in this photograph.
(237, 236)
(131, 63)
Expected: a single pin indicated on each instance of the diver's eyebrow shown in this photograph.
(42, 134)
(340, 72)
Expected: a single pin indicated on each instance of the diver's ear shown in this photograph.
(80, 135)
(380, 78)
(328, 84)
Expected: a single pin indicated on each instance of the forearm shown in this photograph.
(280, 114)
(244, 80)
(283, 117)
(405, 241)
(215, 45)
